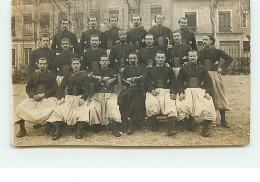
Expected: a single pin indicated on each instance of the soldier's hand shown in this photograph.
(169, 46)
(155, 92)
(37, 98)
(41, 95)
(167, 65)
(207, 96)
(106, 78)
(182, 97)
(99, 78)
(173, 96)
(61, 101)
(81, 102)
(121, 70)
(219, 70)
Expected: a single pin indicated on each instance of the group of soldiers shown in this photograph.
(122, 78)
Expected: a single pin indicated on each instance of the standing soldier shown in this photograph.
(103, 104)
(111, 35)
(41, 89)
(136, 35)
(195, 90)
(92, 55)
(42, 52)
(179, 53)
(188, 37)
(162, 35)
(65, 33)
(85, 36)
(210, 58)
(160, 98)
(131, 101)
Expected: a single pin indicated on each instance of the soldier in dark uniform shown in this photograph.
(63, 60)
(111, 35)
(147, 54)
(92, 55)
(85, 36)
(179, 53)
(162, 34)
(136, 35)
(131, 101)
(42, 52)
(188, 37)
(65, 33)
(210, 58)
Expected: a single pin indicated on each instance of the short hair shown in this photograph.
(94, 35)
(64, 19)
(212, 38)
(159, 52)
(183, 18)
(149, 35)
(65, 39)
(176, 31)
(136, 16)
(159, 14)
(121, 29)
(192, 51)
(104, 56)
(74, 59)
(43, 36)
(113, 17)
(133, 53)
(40, 59)
(92, 17)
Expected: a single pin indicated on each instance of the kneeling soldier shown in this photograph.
(160, 98)
(41, 89)
(72, 109)
(195, 87)
(103, 104)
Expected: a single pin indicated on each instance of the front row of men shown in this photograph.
(149, 92)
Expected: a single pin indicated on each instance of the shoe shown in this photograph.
(129, 126)
(22, 131)
(80, 132)
(224, 124)
(115, 131)
(171, 131)
(205, 129)
(57, 133)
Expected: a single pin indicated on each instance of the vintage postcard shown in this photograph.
(130, 72)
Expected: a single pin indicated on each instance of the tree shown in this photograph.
(213, 13)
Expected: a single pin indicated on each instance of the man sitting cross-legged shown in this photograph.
(195, 89)
(160, 98)
(41, 89)
(103, 104)
(72, 108)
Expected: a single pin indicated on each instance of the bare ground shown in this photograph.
(238, 92)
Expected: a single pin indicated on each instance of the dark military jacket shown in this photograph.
(42, 53)
(47, 79)
(163, 32)
(63, 62)
(85, 39)
(111, 37)
(198, 71)
(213, 55)
(136, 37)
(56, 43)
(181, 51)
(91, 58)
(188, 37)
(119, 55)
(166, 74)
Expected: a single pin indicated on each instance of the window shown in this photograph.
(13, 57)
(244, 20)
(224, 21)
(113, 13)
(27, 24)
(192, 20)
(78, 22)
(154, 11)
(45, 23)
(131, 12)
(13, 25)
(232, 48)
(246, 45)
(27, 55)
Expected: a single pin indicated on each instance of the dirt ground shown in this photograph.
(238, 92)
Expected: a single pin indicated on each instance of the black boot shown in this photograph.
(170, 131)
(154, 122)
(79, 131)
(191, 124)
(205, 129)
(49, 128)
(223, 121)
(115, 131)
(57, 133)
(129, 126)
(22, 131)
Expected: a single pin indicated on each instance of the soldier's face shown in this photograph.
(45, 42)
(94, 42)
(113, 22)
(133, 59)
(183, 24)
(149, 40)
(206, 41)
(177, 37)
(93, 22)
(193, 57)
(159, 19)
(42, 65)
(160, 59)
(104, 62)
(75, 65)
(65, 25)
(65, 45)
(122, 35)
(136, 21)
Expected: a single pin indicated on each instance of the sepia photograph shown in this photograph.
(130, 73)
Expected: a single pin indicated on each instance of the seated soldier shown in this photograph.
(72, 109)
(103, 104)
(131, 100)
(195, 89)
(160, 98)
(41, 89)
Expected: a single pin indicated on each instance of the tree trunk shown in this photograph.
(213, 12)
